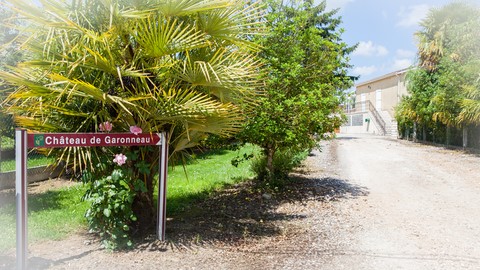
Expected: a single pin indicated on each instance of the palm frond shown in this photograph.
(172, 8)
(162, 36)
(470, 111)
(234, 24)
(182, 66)
(226, 74)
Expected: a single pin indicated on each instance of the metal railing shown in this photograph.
(367, 106)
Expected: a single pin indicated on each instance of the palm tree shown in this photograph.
(447, 44)
(469, 45)
(186, 67)
(435, 37)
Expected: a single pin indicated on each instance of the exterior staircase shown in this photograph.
(384, 123)
(391, 126)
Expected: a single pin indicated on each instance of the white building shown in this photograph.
(374, 107)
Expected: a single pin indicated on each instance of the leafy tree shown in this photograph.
(9, 56)
(444, 87)
(434, 37)
(417, 107)
(183, 67)
(467, 55)
(9, 47)
(458, 25)
(305, 74)
(470, 105)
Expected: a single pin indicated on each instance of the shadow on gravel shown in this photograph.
(244, 212)
(346, 138)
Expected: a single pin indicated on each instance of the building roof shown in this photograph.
(388, 75)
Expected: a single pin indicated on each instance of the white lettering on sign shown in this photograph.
(51, 140)
(95, 140)
(126, 140)
(64, 140)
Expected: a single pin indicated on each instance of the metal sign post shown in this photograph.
(162, 188)
(21, 196)
(51, 140)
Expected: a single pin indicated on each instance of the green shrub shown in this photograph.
(110, 213)
(283, 163)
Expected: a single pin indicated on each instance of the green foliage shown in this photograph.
(9, 47)
(305, 75)
(9, 56)
(239, 159)
(283, 163)
(187, 68)
(449, 94)
(8, 142)
(113, 188)
(7, 128)
(110, 212)
(445, 88)
(57, 213)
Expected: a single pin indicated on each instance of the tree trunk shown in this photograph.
(144, 209)
(433, 135)
(144, 205)
(1, 154)
(424, 133)
(448, 136)
(414, 136)
(465, 137)
(270, 154)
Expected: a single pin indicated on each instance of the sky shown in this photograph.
(384, 31)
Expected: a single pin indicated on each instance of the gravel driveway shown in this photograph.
(423, 207)
(364, 202)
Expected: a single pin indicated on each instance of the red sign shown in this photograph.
(50, 140)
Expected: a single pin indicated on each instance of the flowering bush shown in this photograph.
(110, 213)
(112, 188)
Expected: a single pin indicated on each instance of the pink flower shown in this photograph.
(120, 159)
(135, 130)
(105, 126)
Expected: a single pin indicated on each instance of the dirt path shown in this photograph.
(423, 207)
(362, 203)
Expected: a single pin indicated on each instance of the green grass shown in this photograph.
(209, 172)
(57, 213)
(33, 161)
(53, 214)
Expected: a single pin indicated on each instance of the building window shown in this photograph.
(378, 100)
(357, 120)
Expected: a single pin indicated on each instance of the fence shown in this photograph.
(437, 133)
(363, 107)
(7, 154)
(37, 163)
(7, 150)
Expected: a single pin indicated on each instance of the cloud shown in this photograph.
(367, 48)
(402, 63)
(401, 53)
(412, 15)
(364, 70)
(403, 59)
